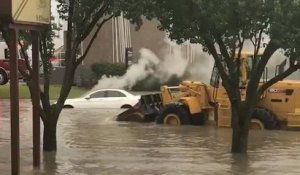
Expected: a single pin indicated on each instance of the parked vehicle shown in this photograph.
(5, 64)
(5, 69)
(104, 98)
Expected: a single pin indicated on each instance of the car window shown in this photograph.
(99, 94)
(115, 94)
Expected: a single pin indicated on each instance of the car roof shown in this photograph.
(122, 90)
(97, 90)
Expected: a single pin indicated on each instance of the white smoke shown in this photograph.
(136, 72)
(173, 63)
(202, 66)
(148, 64)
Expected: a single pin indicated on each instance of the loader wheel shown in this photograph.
(264, 119)
(3, 77)
(256, 124)
(174, 114)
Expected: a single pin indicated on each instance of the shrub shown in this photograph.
(108, 69)
(85, 78)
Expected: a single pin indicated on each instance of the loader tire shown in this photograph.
(266, 118)
(174, 114)
(3, 77)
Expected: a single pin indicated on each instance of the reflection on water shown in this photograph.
(91, 142)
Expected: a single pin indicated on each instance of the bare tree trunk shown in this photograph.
(49, 139)
(50, 143)
(240, 128)
(50, 163)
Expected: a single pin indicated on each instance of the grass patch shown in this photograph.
(54, 92)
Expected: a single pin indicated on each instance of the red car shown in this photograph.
(5, 68)
(4, 63)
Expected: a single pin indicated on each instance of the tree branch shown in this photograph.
(45, 95)
(269, 51)
(277, 78)
(256, 45)
(26, 58)
(68, 76)
(241, 46)
(218, 62)
(99, 26)
(42, 114)
(70, 32)
(88, 15)
(251, 39)
(96, 18)
(231, 89)
(257, 73)
(224, 52)
(259, 42)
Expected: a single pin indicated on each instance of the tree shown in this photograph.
(223, 27)
(84, 17)
(46, 52)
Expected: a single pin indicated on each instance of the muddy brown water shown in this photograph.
(90, 142)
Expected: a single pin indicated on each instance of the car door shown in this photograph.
(96, 99)
(115, 99)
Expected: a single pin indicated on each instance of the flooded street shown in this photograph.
(90, 142)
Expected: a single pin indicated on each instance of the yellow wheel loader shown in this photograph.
(196, 103)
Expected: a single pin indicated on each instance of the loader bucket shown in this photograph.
(146, 110)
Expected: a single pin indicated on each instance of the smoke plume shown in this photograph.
(174, 63)
(148, 64)
(145, 66)
(178, 61)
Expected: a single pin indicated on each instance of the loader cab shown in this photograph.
(247, 64)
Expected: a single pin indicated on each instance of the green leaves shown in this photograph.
(234, 20)
(286, 28)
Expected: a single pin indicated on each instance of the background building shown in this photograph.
(118, 34)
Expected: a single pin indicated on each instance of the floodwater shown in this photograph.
(90, 142)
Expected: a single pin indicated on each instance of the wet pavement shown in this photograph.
(90, 142)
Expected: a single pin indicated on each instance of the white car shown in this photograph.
(104, 98)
